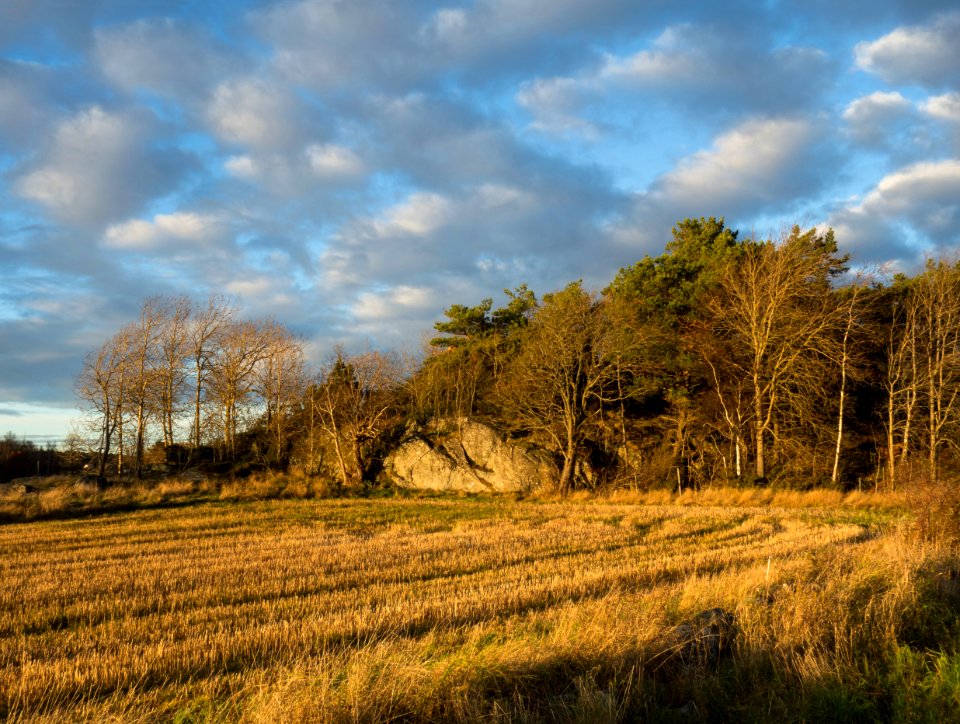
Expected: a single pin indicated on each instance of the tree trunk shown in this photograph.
(761, 470)
(932, 459)
(106, 434)
(891, 445)
(138, 449)
(357, 461)
(119, 426)
(836, 453)
(196, 411)
(566, 474)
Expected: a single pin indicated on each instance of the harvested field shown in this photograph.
(424, 610)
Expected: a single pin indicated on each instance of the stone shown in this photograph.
(468, 456)
(948, 584)
(17, 488)
(700, 642)
(192, 475)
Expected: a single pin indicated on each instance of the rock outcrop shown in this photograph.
(468, 456)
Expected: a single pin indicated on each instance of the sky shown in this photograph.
(351, 168)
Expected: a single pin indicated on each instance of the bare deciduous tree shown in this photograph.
(171, 372)
(143, 362)
(280, 381)
(353, 402)
(776, 313)
(242, 347)
(206, 325)
(937, 299)
(99, 384)
(569, 363)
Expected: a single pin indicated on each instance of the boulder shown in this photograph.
(700, 642)
(192, 475)
(468, 456)
(948, 584)
(17, 488)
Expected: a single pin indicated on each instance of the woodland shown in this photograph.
(725, 359)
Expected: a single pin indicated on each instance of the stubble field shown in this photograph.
(467, 610)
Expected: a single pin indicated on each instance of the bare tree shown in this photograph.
(171, 371)
(242, 347)
(850, 308)
(901, 383)
(923, 368)
(206, 326)
(280, 381)
(938, 315)
(730, 392)
(776, 314)
(569, 363)
(353, 402)
(99, 384)
(143, 355)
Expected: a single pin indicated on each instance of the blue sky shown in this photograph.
(354, 167)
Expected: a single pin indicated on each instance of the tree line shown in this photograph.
(732, 359)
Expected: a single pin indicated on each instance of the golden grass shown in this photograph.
(760, 497)
(352, 610)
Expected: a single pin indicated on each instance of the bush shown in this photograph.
(936, 510)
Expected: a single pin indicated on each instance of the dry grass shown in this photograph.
(351, 610)
(64, 496)
(763, 497)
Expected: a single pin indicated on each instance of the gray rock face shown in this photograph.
(468, 457)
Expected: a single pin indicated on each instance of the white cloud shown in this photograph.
(929, 191)
(944, 107)
(497, 22)
(299, 171)
(924, 54)
(331, 44)
(242, 167)
(674, 59)
(447, 25)
(333, 162)
(400, 302)
(761, 167)
(556, 105)
(429, 236)
(686, 66)
(99, 165)
(256, 113)
(158, 54)
(909, 213)
(874, 118)
(420, 214)
(165, 230)
(879, 103)
(255, 287)
(756, 163)
(503, 199)
(56, 188)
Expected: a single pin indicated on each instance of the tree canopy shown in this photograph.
(757, 361)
